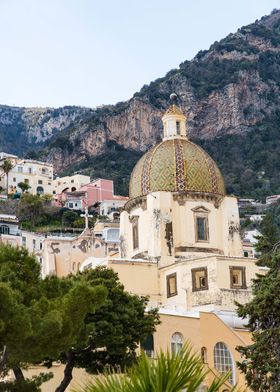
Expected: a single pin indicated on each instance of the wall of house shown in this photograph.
(70, 183)
(139, 278)
(63, 256)
(214, 330)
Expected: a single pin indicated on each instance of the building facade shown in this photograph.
(37, 175)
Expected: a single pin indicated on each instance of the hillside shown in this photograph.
(230, 94)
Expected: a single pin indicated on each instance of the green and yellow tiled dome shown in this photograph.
(176, 165)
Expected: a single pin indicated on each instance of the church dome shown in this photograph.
(176, 165)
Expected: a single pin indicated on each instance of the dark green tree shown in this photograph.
(30, 208)
(261, 363)
(270, 235)
(40, 319)
(50, 319)
(23, 186)
(116, 328)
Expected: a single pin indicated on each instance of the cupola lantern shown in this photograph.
(174, 121)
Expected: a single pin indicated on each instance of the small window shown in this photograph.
(171, 281)
(178, 127)
(30, 170)
(135, 235)
(70, 205)
(4, 229)
(201, 228)
(24, 241)
(237, 277)
(148, 346)
(26, 181)
(204, 354)
(199, 279)
(177, 342)
(40, 181)
(14, 179)
(245, 254)
(72, 181)
(223, 361)
(34, 244)
(44, 170)
(20, 169)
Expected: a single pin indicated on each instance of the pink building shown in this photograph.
(96, 191)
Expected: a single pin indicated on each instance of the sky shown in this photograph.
(88, 52)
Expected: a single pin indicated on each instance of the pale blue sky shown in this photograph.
(89, 52)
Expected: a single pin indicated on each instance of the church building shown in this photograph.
(180, 245)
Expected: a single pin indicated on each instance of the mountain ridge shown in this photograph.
(227, 92)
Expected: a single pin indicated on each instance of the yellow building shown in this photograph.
(181, 245)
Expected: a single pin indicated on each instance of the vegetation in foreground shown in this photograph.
(176, 372)
(69, 319)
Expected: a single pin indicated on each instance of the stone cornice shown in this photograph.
(137, 202)
(182, 197)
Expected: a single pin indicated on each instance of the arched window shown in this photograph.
(204, 354)
(177, 342)
(74, 266)
(223, 361)
(40, 190)
(4, 229)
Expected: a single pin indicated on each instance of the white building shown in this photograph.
(69, 183)
(9, 230)
(249, 243)
(38, 175)
(111, 208)
(272, 199)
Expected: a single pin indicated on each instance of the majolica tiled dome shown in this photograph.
(176, 165)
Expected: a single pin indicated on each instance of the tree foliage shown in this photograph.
(40, 319)
(23, 186)
(84, 320)
(118, 325)
(261, 363)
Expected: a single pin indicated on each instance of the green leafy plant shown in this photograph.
(168, 373)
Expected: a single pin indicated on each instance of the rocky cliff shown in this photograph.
(226, 90)
(229, 93)
(23, 128)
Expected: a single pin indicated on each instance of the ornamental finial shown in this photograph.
(173, 98)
